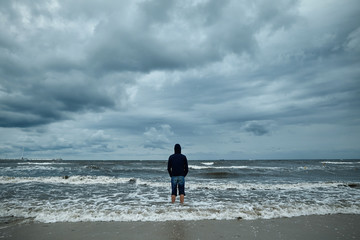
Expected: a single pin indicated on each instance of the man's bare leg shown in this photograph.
(182, 198)
(173, 198)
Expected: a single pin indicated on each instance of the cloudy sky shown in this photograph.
(228, 79)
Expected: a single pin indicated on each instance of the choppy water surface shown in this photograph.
(72, 191)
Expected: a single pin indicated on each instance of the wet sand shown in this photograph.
(341, 226)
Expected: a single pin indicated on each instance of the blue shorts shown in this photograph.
(178, 182)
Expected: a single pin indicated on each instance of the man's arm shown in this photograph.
(186, 169)
(169, 167)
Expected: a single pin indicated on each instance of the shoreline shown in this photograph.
(338, 226)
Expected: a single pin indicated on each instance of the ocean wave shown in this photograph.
(140, 191)
(166, 212)
(66, 180)
(41, 163)
(191, 185)
(220, 174)
(212, 167)
(271, 186)
(340, 163)
(208, 163)
(197, 167)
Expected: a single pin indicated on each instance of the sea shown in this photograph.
(77, 191)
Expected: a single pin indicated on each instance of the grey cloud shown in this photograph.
(48, 147)
(42, 103)
(206, 69)
(158, 137)
(256, 129)
(65, 143)
(166, 42)
(156, 11)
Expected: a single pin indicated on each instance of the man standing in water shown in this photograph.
(178, 169)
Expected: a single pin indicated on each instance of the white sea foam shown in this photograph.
(204, 201)
(138, 192)
(265, 186)
(193, 185)
(197, 167)
(212, 167)
(39, 163)
(340, 163)
(67, 180)
(34, 167)
(207, 163)
(165, 212)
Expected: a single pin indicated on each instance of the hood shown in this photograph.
(177, 148)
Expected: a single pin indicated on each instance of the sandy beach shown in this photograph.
(327, 227)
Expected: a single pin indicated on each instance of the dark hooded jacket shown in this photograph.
(177, 163)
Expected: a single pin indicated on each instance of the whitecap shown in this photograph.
(208, 163)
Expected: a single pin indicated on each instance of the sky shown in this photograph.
(230, 79)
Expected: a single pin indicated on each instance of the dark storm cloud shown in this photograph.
(42, 70)
(178, 35)
(145, 74)
(38, 103)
